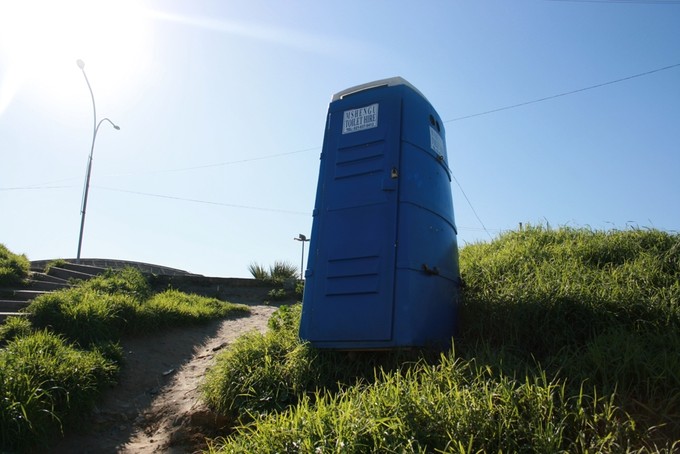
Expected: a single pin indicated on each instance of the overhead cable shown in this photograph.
(513, 106)
(207, 202)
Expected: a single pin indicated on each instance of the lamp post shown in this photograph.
(96, 126)
(303, 239)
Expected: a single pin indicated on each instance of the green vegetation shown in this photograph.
(119, 303)
(261, 373)
(278, 273)
(55, 362)
(54, 264)
(258, 271)
(14, 327)
(570, 342)
(14, 268)
(46, 384)
(300, 289)
(600, 306)
(277, 294)
(283, 276)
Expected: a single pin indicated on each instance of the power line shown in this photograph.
(639, 2)
(277, 155)
(35, 187)
(226, 163)
(181, 169)
(207, 202)
(471, 207)
(646, 73)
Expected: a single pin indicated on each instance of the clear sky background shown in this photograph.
(222, 105)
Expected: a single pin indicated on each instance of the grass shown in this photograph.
(596, 305)
(45, 385)
(121, 303)
(455, 406)
(264, 373)
(14, 268)
(54, 264)
(570, 343)
(55, 362)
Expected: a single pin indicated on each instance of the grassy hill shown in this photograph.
(570, 342)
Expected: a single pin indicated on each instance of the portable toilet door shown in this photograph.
(351, 278)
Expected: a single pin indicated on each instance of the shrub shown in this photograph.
(14, 327)
(278, 273)
(277, 294)
(14, 268)
(282, 271)
(258, 272)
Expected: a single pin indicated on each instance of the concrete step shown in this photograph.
(12, 305)
(40, 283)
(42, 277)
(4, 315)
(67, 274)
(86, 269)
(20, 295)
(46, 286)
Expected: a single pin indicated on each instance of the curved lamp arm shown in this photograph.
(81, 65)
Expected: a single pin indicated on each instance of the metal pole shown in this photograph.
(95, 128)
(303, 239)
(302, 262)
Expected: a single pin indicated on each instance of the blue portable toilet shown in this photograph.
(382, 270)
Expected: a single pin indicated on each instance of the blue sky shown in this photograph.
(222, 107)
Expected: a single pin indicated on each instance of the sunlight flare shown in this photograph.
(40, 40)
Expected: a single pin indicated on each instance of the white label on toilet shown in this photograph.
(436, 142)
(360, 119)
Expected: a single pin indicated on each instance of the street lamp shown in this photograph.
(81, 65)
(303, 239)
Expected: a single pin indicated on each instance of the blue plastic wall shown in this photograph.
(383, 259)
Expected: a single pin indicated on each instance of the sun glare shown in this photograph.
(40, 41)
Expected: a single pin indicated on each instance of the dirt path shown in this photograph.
(156, 408)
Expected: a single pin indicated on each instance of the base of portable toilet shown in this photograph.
(383, 268)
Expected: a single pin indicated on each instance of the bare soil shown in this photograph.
(156, 406)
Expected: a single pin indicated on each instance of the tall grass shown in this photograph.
(268, 372)
(454, 406)
(597, 306)
(46, 384)
(570, 343)
(14, 268)
(119, 303)
(547, 289)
